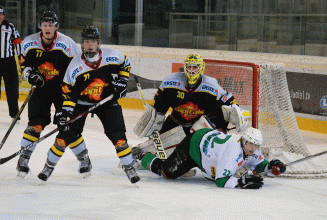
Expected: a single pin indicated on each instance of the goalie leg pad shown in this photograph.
(150, 121)
(170, 139)
(203, 122)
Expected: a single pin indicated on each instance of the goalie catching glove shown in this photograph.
(236, 116)
(150, 121)
(250, 182)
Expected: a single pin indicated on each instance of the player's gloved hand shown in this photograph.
(276, 167)
(250, 182)
(35, 78)
(119, 88)
(63, 116)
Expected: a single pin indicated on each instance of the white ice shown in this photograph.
(108, 194)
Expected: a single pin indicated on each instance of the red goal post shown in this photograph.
(262, 89)
(226, 65)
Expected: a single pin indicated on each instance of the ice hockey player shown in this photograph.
(45, 58)
(92, 76)
(218, 156)
(192, 94)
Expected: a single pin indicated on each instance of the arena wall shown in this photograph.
(156, 63)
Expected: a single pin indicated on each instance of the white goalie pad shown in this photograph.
(236, 116)
(203, 122)
(170, 139)
(150, 121)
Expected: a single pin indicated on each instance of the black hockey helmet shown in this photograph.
(49, 16)
(90, 32)
(2, 10)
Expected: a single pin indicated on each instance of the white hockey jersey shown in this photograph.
(220, 155)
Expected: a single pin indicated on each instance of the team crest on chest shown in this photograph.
(95, 89)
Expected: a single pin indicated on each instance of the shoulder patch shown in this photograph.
(112, 59)
(29, 44)
(76, 71)
(62, 46)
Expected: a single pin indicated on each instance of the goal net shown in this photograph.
(263, 90)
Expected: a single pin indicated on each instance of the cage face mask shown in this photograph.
(193, 69)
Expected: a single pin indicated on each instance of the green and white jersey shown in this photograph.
(220, 156)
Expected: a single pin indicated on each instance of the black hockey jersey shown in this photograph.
(52, 62)
(86, 85)
(188, 106)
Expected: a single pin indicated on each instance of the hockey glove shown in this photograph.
(35, 78)
(119, 88)
(250, 182)
(63, 116)
(276, 167)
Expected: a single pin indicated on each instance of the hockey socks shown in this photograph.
(153, 163)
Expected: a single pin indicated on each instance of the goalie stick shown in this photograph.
(6, 159)
(17, 116)
(155, 135)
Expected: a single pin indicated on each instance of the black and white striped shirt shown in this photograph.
(9, 40)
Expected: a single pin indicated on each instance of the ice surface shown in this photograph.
(108, 194)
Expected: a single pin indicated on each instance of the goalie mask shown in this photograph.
(49, 16)
(251, 140)
(193, 69)
(91, 33)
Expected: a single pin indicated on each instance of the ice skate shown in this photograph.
(22, 167)
(46, 173)
(131, 173)
(85, 167)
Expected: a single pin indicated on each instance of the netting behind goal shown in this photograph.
(263, 89)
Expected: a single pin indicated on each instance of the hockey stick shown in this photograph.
(17, 116)
(305, 158)
(6, 159)
(155, 135)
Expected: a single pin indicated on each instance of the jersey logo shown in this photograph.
(189, 111)
(48, 71)
(112, 59)
(63, 46)
(209, 89)
(65, 89)
(95, 89)
(172, 83)
(29, 44)
(76, 70)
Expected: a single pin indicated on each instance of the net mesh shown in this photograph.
(272, 112)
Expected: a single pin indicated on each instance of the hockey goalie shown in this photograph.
(164, 144)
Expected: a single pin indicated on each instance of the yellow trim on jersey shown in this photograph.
(56, 151)
(124, 152)
(30, 137)
(69, 103)
(123, 73)
(76, 143)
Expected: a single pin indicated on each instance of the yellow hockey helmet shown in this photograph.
(193, 69)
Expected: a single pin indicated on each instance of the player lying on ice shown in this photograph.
(218, 156)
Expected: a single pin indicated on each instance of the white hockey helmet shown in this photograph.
(253, 136)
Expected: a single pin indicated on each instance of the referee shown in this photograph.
(9, 41)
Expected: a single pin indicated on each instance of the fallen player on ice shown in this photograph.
(219, 156)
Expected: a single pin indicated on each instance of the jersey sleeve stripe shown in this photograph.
(69, 103)
(123, 73)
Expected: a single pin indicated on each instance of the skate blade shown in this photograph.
(136, 165)
(190, 173)
(22, 174)
(85, 175)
